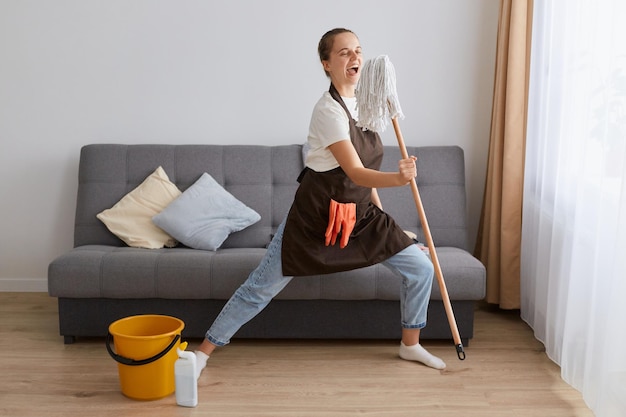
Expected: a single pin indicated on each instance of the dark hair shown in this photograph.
(326, 44)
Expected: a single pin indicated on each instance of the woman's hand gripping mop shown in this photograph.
(377, 102)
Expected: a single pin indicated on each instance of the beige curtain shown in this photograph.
(499, 235)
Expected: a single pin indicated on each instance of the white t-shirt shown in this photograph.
(329, 124)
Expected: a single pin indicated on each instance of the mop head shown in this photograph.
(376, 96)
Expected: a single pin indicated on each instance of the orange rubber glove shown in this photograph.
(341, 218)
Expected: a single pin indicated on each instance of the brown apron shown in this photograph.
(376, 236)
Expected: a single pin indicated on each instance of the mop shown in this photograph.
(377, 103)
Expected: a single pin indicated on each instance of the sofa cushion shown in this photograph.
(99, 271)
(130, 219)
(205, 215)
(267, 183)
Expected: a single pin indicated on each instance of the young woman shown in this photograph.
(337, 188)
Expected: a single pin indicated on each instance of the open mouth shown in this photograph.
(353, 70)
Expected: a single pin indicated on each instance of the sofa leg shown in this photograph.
(465, 341)
(68, 340)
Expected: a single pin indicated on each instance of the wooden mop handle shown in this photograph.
(431, 247)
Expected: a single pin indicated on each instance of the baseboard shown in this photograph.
(23, 285)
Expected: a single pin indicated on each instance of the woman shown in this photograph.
(337, 199)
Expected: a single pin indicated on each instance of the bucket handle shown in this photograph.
(132, 362)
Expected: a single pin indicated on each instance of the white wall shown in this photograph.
(74, 72)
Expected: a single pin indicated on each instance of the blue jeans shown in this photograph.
(267, 280)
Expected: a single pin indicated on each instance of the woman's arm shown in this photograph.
(349, 160)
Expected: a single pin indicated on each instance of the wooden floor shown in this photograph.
(506, 373)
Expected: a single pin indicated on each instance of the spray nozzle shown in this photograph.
(182, 353)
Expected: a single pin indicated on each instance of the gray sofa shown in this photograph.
(101, 279)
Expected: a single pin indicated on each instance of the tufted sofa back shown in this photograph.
(264, 178)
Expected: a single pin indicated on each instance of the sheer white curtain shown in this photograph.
(573, 265)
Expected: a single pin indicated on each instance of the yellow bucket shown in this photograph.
(145, 349)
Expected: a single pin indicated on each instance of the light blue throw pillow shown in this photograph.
(205, 215)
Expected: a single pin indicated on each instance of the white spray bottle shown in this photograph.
(185, 374)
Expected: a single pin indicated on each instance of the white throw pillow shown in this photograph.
(205, 215)
(130, 219)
